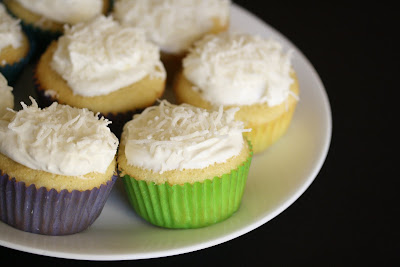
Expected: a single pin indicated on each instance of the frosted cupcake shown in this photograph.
(6, 96)
(174, 24)
(183, 166)
(102, 66)
(244, 71)
(15, 46)
(45, 19)
(57, 168)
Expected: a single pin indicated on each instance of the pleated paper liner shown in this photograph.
(190, 205)
(263, 136)
(41, 37)
(11, 72)
(48, 212)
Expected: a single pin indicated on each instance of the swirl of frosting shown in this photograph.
(10, 30)
(64, 11)
(169, 137)
(172, 24)
(239, 69)
(101, 56)
(6, 96)
(59, 139)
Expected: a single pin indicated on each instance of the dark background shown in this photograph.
(347, 215)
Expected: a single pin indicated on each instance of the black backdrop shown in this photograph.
(347, 215)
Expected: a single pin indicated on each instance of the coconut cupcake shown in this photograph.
(183, 166)
(6, 96)
(103, 66)
(15, 46)
(174, 24)
(57, 168)
(44, 19)
(244, 71)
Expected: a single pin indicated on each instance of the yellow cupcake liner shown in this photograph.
(190, 205)
(264, 135)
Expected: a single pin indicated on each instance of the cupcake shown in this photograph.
(174, 24)
(15, 46)
(6, 96)
(103, 66)
(244, 71)
(184, 166)
(57, 168)
(45, 19)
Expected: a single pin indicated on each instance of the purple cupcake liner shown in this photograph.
(48, 212)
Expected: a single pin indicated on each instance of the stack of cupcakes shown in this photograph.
(184, 165)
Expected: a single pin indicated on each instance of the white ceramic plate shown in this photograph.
(276, 179)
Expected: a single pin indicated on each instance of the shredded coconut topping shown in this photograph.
(239, 69)
(172, 24)
(64, 11)
(10, 30)
(101, 56)
(6, 96)
(59, 139)
(168, 137)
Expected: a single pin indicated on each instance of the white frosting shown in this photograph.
(59, 139)
(172, 24)
(64, 11)
(6, 96)
(239, 69)
(169, 137)
(10, 30)
(101, 56)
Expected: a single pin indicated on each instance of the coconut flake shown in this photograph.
(182, 137)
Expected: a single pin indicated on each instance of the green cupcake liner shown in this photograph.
(190, 205)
